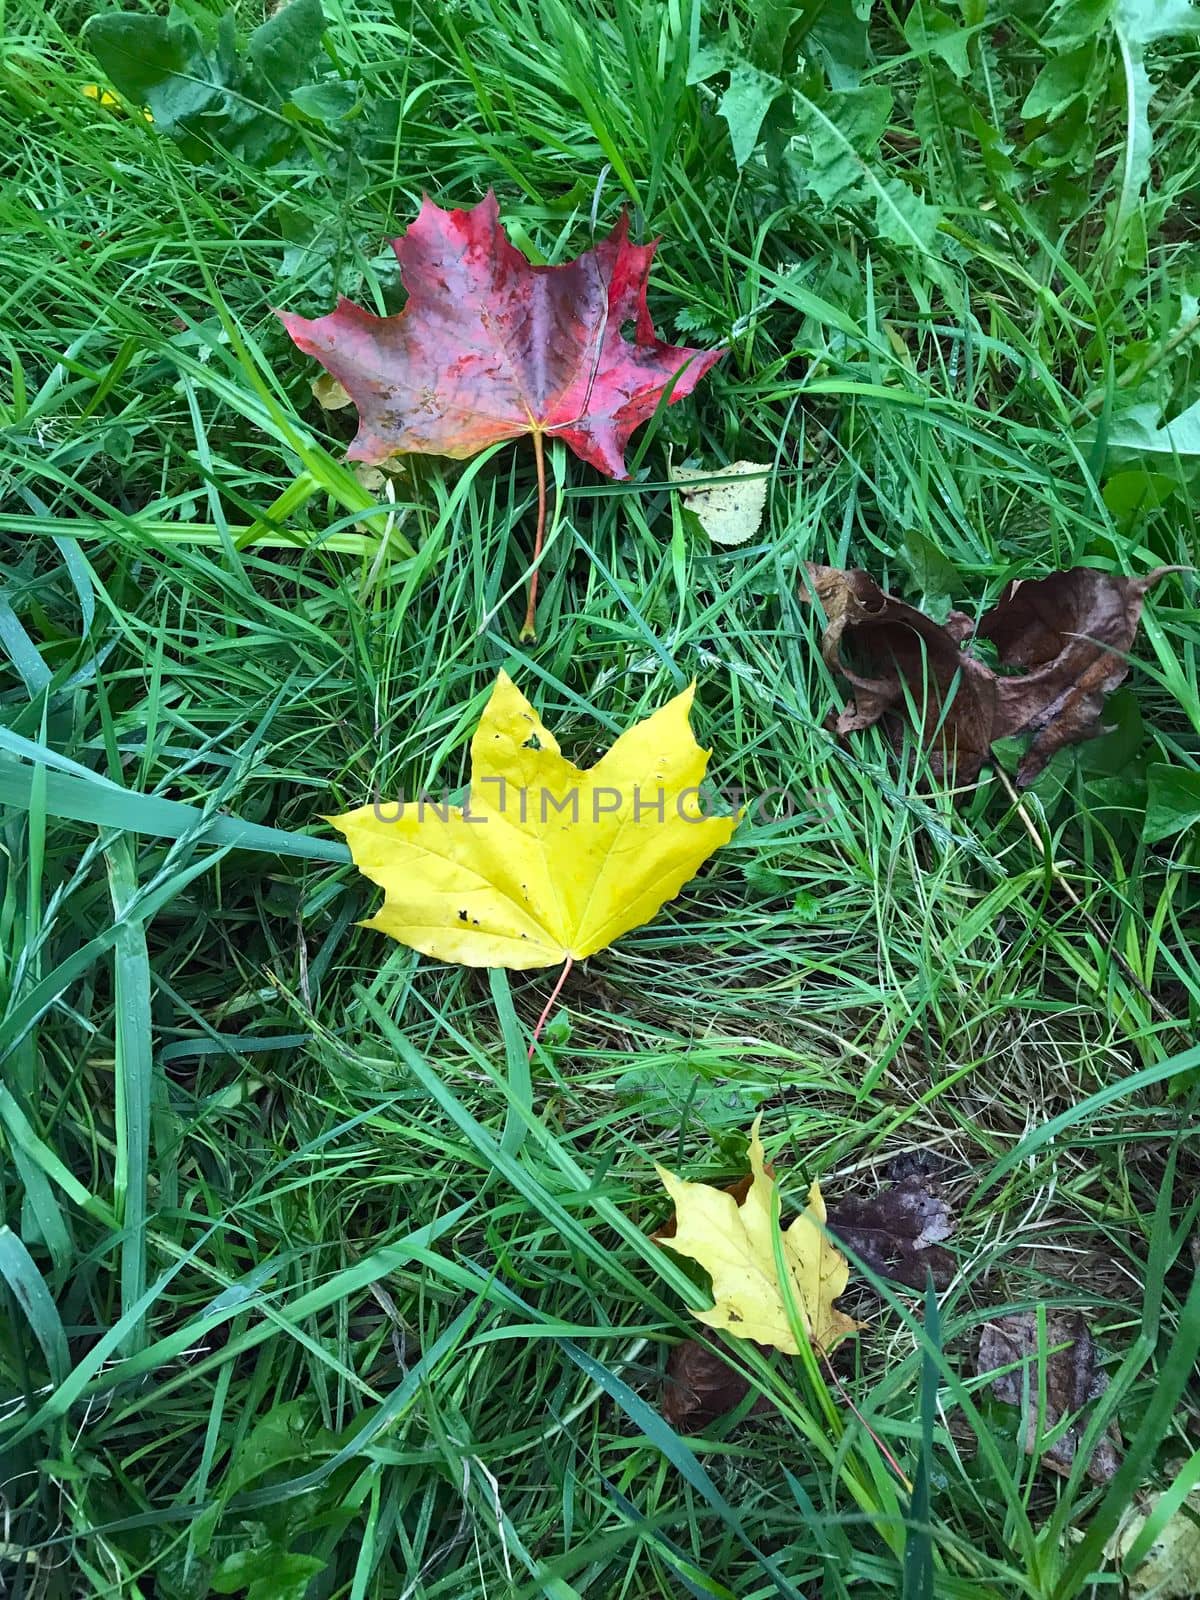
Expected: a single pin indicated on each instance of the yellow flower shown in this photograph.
(110, 102)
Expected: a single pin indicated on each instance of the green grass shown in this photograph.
(312, 1285)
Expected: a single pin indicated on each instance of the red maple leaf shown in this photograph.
(491, 347)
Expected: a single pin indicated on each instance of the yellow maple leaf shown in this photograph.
(733, 1240)
(546, 861)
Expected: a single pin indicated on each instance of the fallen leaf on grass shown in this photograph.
(102, 97)
(329, 394)
(733, 1239)
(1061, 644)
(1072, 1380)
(902, 649)
(898, 1232)
(490, 347)
(373, 479)
(110, 102)
(701, 1386)
(545, 860)
(1070, 633)
(1171, 1569)
(728, 501)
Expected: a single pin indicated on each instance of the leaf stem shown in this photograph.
(529, 626)
(554, 994)
(885, 1452)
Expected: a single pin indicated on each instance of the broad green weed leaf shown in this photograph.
(744, 105)
(157, 62)
(1146, 21)
(1137, 490)
(783, 43)
(772, 23)
(285, 47)
(837, 39)
(902, 216)
(1060, 82)
(842, 133)
(932, 572)
(1173, 804)
(1142, 429)
(1138, 23)
(931, 31)
(708, 61)
(326, 102)
(267, 1573)
(201, 91)
(1075, 22)
(1115, 751)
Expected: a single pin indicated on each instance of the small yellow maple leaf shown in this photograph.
(546, 861)
(733, 1240)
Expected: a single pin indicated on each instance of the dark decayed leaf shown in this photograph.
(898, 1232)
(701, 1386)
(901, 649)
(490, 347)
(1071, 1381)
(1070, 633)
(1060, 644)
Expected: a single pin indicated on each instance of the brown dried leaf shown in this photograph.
(701, 1386)
(1071, 632)
(898, 1232)
(901, 648)
(1071, 1381)
(1066, 635)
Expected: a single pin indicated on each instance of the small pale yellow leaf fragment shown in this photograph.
(377, 480)
(329, 394)
(371, 479)
(1171, 1568)
(734, 1242)
(729, 501)
(546, 860)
